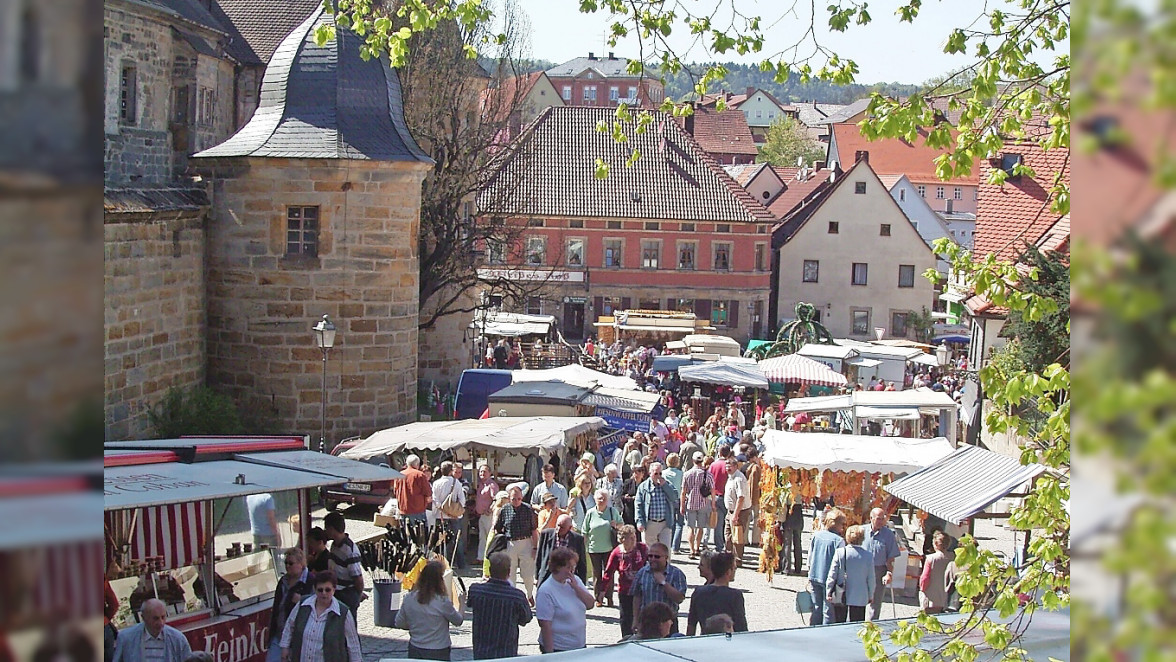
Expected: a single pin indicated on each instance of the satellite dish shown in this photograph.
(800, 161)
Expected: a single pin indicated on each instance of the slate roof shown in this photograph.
(797, 191)
(812, 114)
(550, 170)
(325, 102)
(142, 200)
(256, 27)
(615, 67)
(843, 113)
(894, 156)
(1017, 212)
(189, 10)
(723, 133)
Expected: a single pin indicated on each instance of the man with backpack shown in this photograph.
(698, 500)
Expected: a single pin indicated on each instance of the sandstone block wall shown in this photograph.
(262, 303)
(154, 321)
(444, 352)
(138, 152)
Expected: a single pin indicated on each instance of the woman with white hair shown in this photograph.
(612, 483)
(598, 529)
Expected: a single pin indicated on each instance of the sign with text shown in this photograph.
(242, 639)
(624, 420)
(531, 275)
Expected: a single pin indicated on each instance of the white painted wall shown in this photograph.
(925, 220)
(760, 110)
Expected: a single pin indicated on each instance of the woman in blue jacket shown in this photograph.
(852, 572)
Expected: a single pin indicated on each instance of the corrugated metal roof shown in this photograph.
(963, 483)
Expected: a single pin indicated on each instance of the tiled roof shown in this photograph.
(889, 180)
(497, 101)
(723, 133)
(1057, 238)
(743, 173)
(1017, 212)
(550, 170)
(616, 67)
(892, 156)
(256, 27)
(325, 102)
(796, 190)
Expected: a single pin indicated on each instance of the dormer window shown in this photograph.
(1008, 162)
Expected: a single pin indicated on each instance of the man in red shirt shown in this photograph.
(414, 493)
(718, 471)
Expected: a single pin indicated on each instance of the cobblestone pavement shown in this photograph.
(770, 606)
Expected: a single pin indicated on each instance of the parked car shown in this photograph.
(375, 494)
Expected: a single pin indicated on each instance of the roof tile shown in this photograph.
(724, 132)
(892, 156)
(1017, 212)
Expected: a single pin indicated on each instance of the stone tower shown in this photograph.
(316, 210)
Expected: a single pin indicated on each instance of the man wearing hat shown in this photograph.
(737, 498)
(696, 506)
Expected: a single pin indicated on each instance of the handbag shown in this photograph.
(452, 506)
(804, 602)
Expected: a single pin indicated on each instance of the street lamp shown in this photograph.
(324, 337)
(941, 353)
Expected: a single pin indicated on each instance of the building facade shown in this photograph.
(605, 81)
(852, 252)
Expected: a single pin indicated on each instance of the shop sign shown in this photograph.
(241, 639)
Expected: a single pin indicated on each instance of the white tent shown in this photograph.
(725, 373)
(515, 324)
(846, 452)
(796, 369)
(575, 374)
(530, 434)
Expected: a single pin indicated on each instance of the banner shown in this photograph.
(624, 420)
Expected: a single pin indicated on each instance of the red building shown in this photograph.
(605, 81)
(671, 231)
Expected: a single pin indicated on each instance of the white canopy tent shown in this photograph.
(846, 452)
(796, 369)
(530, 434)
(876, 405)
(513, 325)
(576, 375)
(711, 344)
(725, 373)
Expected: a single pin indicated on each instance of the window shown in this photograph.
(576, 224)
(884, 230)
(940, 193)
(302, 227)
(610, 304)
(1008, 162)
(567, 92)
(719, 313)
(614, 225)
(859, 188)
(686, 254)
(652, 225)
(723, 227)
(759, 114)
(128, 88)
(812, 271)
(205, 106)
(860, 273)
(535, 223)
(834, 227)
(495, 251)
(684, 305)
(575, 248)
(649, 304)
(650, 252)
(536, 250)
(901, 194)
(763, 229)
(860, 320)
(906, 275)
(975, 194)
(182, 104)
(957, 193)
(590, 93)
(534, 306)
(687, 227)
(898, 324)
(922, 190)
(722, 256)
(761, 257)
(614, 93)
(612, 253)
(632, 92)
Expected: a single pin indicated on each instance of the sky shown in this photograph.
(885, 50)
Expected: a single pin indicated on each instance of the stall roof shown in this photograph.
(555, 393)
(910, 398)
(623, 400)
(576, 375)
(188, 448)
(891, 413)
(963, 483)
(499, 433)
(176, 482)
(323, 463)
(863, 362)
(794, 368)
(1046, 636)
(515, 324)
(725, 373)
(827, 351)
(671, 362)
(886, 351)
(51, 519)
(851, 452)
(925, 359)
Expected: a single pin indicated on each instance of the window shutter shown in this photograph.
(732, 313)
(702, 309)
(598, 305)
(671, 304)
(626, 303)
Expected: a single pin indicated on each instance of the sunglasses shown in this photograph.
(325, 589)
(656, 556)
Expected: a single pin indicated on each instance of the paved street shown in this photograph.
(769, 606)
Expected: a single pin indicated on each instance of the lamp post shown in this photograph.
(324, 337)
(941, 354)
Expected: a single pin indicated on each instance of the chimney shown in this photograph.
(688, 124)
(611, 55)
(861, 155)
(949, 206)
(591, 55)
(750, 91)
(818, 165)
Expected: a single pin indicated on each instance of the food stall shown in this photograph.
(918, 411)
(729, 372)
(796, 371)
(177, 520)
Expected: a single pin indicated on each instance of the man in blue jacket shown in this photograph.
(152, 640)
(824, 545)
(657, 507)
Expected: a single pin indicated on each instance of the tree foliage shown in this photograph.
(787, 141)
(1047, 340)
(195, 411)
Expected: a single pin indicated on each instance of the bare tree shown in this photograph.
(464, 117)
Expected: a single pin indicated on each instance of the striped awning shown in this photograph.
(796, 369)
(963, 483)
(173, 532)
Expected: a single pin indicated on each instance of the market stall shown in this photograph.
(848, 470)
(795, 370)
(176, 516)
(576, 375)
(705, 343)
(726, 373)
(924, 410)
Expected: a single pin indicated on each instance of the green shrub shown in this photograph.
(198, 410)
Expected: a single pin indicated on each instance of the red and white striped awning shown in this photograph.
(69, 581)
(796, 369)
(174, 532)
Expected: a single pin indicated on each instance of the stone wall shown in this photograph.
(444, 352)
(263, 303)
(155, 321)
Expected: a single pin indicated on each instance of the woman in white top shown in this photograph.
(561, 605)
(427, 613)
